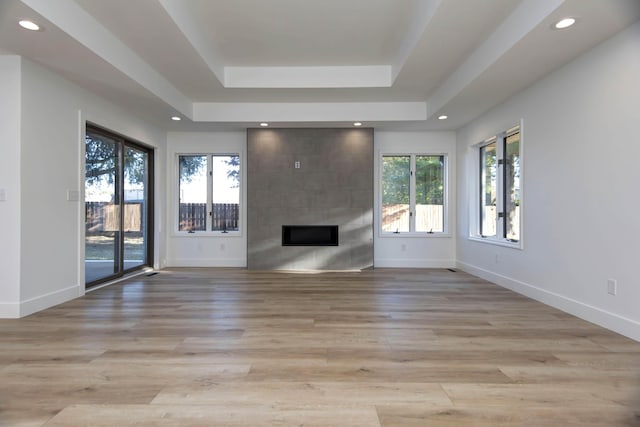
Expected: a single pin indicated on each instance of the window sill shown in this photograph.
(414, 235)
(496, 242)
(206, 234)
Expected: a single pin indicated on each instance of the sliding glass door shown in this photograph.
(118, 207)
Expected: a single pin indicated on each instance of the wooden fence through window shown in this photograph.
(224, 216)
(105, 216)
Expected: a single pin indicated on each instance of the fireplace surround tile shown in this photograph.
(333, 186)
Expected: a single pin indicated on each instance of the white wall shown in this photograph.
(52, 113)
(203, 250)
(200, 250)
(581, 198)
(10, 185)
(424, 251)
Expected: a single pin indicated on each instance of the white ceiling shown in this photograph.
(229, 64)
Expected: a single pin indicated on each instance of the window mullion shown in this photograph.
(209, 193)
(481, 190)
(445, 194)
(412, 194)
(504, 190)
(500, 187)
(121, 203)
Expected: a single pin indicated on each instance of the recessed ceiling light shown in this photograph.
(29, 25)
(564, 23)
(443, 117)
(264, 124)
(176, 118)
(357, 124)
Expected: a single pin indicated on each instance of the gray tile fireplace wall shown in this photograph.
(310, 177)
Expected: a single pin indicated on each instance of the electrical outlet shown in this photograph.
(403, 247)
(612, 287)
(222, 247)
(497, 257)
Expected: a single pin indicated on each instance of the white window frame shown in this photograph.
(208, 232)
(475, 211)
(412, 197)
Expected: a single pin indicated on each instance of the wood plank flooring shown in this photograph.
(230, 347)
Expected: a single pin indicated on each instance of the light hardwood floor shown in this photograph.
(225, 347)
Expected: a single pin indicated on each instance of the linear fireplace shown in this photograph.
(309, 235)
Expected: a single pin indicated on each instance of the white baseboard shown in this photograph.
(41, 302)
(206, 262)
(9, 310)
(627, 327)
(413, 263)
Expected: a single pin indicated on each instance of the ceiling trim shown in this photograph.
(309, 112)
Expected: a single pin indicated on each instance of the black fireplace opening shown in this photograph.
(309, 235)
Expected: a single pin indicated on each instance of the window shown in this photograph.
(413, 194)
(500, 187)
(209, 193)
